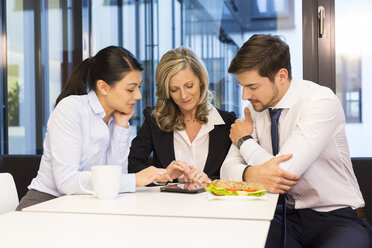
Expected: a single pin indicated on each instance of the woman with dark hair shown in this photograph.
(89, 126)
(185, 133)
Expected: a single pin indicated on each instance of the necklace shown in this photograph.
(193, 120)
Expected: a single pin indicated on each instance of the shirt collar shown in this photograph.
(214, 117)
(95, 104)
(289, 98)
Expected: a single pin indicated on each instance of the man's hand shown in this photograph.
(271, 176)
(241, 128)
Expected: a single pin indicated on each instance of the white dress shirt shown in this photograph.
(312, 128)
(195, 153)
(77, 138)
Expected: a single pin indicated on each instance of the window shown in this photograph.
(34, 79)
(78, 29)
(131, 24)
(353, 72)
(348, 80)
(203, 31)
(44, 40)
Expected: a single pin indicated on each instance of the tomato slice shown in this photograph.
(250, 190)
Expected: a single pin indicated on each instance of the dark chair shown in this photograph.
(23, 168)
(363, 171)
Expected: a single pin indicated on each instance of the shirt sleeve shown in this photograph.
(316, 125)
(128, 183)
(66, 140)
(233, 166)
(118, 155)
(66, 135)
(119, 147)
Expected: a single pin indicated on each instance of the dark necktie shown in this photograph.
(274, 116)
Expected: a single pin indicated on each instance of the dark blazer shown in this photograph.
(150, 139)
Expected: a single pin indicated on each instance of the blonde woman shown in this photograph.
(185, 133)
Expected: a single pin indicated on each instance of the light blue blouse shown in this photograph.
(77, 138)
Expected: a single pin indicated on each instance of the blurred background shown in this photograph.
(43, 40)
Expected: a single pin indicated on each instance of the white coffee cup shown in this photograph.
(106, 180)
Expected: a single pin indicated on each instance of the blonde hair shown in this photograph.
(167, 114)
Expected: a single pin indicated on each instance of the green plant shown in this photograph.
(13, 105)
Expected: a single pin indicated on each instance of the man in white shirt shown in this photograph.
(310, 125)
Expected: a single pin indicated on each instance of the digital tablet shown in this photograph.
(191, 188)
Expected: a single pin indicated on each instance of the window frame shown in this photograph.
(319, 53)
(3, 82)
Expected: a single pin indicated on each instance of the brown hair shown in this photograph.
(266, 53)
(167, 114)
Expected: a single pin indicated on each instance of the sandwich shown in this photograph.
(222, 188)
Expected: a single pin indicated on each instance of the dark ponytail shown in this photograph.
(110, 64)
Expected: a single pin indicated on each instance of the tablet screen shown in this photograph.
(184, 188)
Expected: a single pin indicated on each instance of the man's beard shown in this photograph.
(259, 106)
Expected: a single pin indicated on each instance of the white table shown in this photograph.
(152, 202)
(57, 230)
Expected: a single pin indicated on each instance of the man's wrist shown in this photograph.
(242, 140)
(244, 172)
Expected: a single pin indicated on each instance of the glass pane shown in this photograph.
(129, 25)
(215, 29)
(104, 24)
(39, 49)
(204, 31)
(166, 39)
(21, 77)
(55, 43)
(353, 72)
(129, 28)
(133, 39)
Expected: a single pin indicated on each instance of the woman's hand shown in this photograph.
(174, 170)
(122, 119)
(196, 176)
(150, 174)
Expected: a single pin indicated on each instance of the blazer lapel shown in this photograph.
(164, 146)
(218, 140)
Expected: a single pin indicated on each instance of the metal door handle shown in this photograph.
(321, 17)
